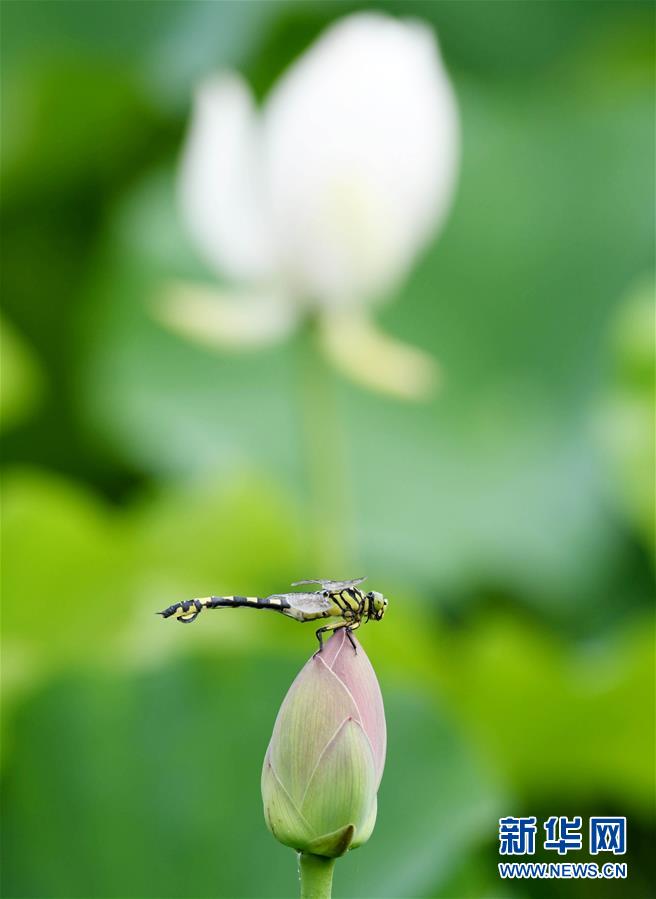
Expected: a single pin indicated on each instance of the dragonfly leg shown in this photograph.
(319, 634)
(338, 626)
(349, 631)
(323, 630)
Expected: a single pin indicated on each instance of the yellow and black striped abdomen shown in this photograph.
(188, 610)
(255, 602)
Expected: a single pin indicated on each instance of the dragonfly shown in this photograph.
(342, 601)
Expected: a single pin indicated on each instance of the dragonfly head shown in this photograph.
(378, 605)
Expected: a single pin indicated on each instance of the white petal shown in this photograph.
(361, 150)
(224, 319)
(221, 181)
(375, 360)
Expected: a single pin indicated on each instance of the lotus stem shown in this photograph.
(324, 449)
(316, 875)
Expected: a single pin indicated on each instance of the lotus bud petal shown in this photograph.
(325, 760)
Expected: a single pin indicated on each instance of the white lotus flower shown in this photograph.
(322, 200)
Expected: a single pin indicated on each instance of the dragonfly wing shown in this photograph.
(332, 586)
(306, 602)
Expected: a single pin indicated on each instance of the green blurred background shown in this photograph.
(510, 520)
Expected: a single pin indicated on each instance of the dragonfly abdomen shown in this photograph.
(188, 610)
(276, 603)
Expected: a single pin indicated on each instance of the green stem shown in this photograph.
(316, 874)
(325, 448)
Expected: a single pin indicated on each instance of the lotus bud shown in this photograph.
(325, 760)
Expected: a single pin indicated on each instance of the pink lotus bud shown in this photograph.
(326, 756)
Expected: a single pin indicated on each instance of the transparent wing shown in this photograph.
(305, 602)
(332, 586)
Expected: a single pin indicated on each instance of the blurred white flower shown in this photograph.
(322, 200)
